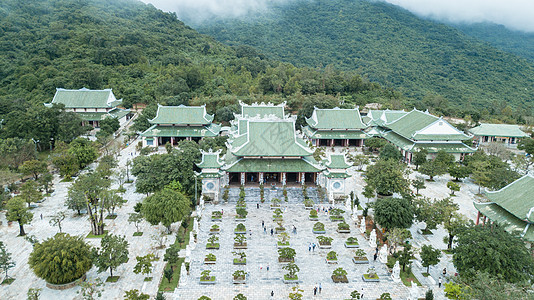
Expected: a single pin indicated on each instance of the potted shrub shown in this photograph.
(313, 215)
(210, 259)
(292, 270)
(240, 276)
(336, 215)
(325, 242)
(371, 275)
(352, 242)
(318, 228)
(240, 228)
(331, 257)
(343, 227)
(308, 203)
(284, 192)
(275, 203)
(241, 203)
(279, 227)
(305, 191)
(215, 229)
(212, 242)
(286, 255)
(277, 215)
(216, 215)
(360, 257)
(241, 214)
(283, 240)
(339, 275)
(226, 194)
(240, 241)
(262, 193)
(241, 258)
(206, 278)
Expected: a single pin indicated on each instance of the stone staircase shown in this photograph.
(252, 194)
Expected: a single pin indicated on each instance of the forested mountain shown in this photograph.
(517, 42)
(390, 46)
(145, 55)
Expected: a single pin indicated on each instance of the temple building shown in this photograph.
(502, 133)
(511, 207)
(335, 176)
(175, 123)
(91, 105)
(417, 130)
(335, 127)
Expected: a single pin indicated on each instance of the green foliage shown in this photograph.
(385, 296)
(355, 295)
(240, 238)
(113, 252)
(394, 213)
(429, 295)
(57, 218)
(418, 184)
(241, 212)
(166, 207)
(33, 294)
(33, 167)
(325, 240)
(84, 151)
(339, 273)
(61, 259)
(135, 295)
(375, 143)
(90, 290)
(453, 186)
(15, 151)
(332, 255)
(135, 218)
(29, 192)
(17, 211)
(292, 269)
(385, 178)
(423, 58)
(144, 264)
(318, 226)
(240, 297)
(107, 127)
(484, 286)
(454, 291)
(494, 251)
(458, 171)
(6, 262)
(390, 152)
(430, 256)
(527, 145)
(490, 171)
(433, 168)
(419, 158)
(287, 253)
(405, 256)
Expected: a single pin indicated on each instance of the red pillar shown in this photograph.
(478, 218)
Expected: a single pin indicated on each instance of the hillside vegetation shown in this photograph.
(390, 46)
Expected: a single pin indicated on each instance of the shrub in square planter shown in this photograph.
(313, 215)
(331, 257)
(319, 228)
(286, 255)
(212, 242)
(210, 259)
(352, 242)
(340, 276)
(292, 270)
(241, 258)
(360, 257)
(216, 215)
(240, 228)
(343, 228)
(283, 240)
(240, 241)
(206, 278)
(325, 242)
(239, 276)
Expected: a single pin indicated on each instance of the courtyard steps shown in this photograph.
(252, 194)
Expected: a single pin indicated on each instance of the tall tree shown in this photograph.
(6, 263)
(430, 256)
(84, 151)
(166, 207)
(494, 251)
(385, 178)
(390, 152)
(17, 211)
(15, 151)
(393, 213)
(45, 180)
(33, 167)
(419, 158)
(57, 219)
(112, 253)
(30, 193)
(458, 171)
(433, 168)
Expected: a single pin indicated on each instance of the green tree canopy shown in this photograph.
(166, 207)
(112, 253)
(430, 256)
(390, 152)
(385, 178)
(33, 167)
(17, 211)
(393, 212)
(494, 251)
(61, 259)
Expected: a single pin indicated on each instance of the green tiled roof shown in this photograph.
(336, 175)
(380, 117)
(398, 140)
(183, 115)
(272, 165)
(505, 219)
(517, 197)
(270, 138)
(182, 131)
(210, 175)
(210, 160)
(414, 124)
(119, 113)
(335, 118)
(499, 130)
(262, 110)
(337, 161)
(85, 98)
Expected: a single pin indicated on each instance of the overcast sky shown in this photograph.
(514, 14)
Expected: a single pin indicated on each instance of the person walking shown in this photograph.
(265, 230)
(257, 205)
(439, 282)
(272, 294)
(272, 232)
(313, 246)
(375, 256)
(320, 288)
(315, 291)
(41, 216)
(267, 268)
(262, 224)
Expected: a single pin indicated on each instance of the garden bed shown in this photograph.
(340, 279)
(238, 261)
(343, 230)
(360, 260)
(331, 261)
(210, 262)
(336, 219)
(289, 280)
(240, 246)
(325, 246)
(208, 281)
(313, 219)
(282, 245)
(368, 278)
(356, 245)
(285, 260)
(138, 233)
(112, 278)
(213, 246)
(319, 231)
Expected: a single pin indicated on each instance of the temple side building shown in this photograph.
(335, 127)
(417, 130)
(502, 133)
(511, 207)
(91, 105)
(176, 123)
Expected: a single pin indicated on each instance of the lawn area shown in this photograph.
(92, 236)
(165, 286)
(407, 277)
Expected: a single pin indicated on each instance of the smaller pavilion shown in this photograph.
(91, 105)
(176, 123)
(503, 133)
(335, 176)
(211, 173)
(511, 207)
(335, 127)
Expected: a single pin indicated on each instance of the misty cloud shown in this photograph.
(514, 14)
(201, 10)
